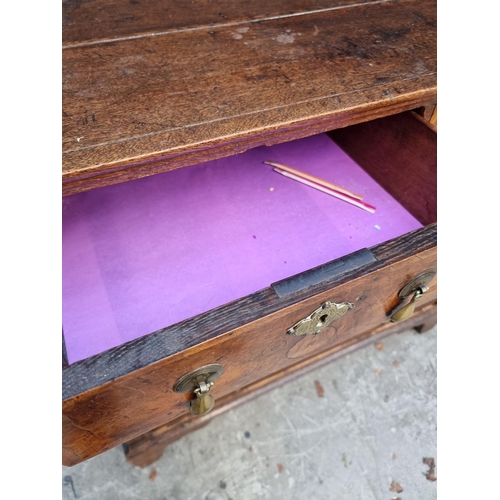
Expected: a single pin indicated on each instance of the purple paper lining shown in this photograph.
(143, 255)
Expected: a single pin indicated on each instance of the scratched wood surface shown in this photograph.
(96, 20)
(142, 399)
(147, 90)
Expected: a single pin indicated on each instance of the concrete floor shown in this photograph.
(349, 430)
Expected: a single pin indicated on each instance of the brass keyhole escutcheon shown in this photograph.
(415, 287)
(200, 381)
(320, 318)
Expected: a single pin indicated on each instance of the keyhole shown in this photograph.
(322, 320)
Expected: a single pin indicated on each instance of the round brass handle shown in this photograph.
(416, 286)
(406, 311)
(201, 406)
(204, 401)
(200, 381)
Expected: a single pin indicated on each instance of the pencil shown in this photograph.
(341, 196)
(312, 178)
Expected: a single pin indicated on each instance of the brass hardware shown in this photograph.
(320, 318)
(406, 311)
(416, 286)
(200, 381)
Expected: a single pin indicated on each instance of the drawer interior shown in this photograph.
(146, 254)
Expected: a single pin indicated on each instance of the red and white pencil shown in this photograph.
(332, 192)
(312, 178)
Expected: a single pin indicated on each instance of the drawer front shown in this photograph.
(106, 416)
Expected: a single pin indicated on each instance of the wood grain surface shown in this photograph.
(101, 21)
(122, 409)
(147, 448)
(148, 92)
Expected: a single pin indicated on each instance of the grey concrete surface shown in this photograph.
(344, 431)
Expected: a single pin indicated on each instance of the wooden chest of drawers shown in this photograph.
(151, 87)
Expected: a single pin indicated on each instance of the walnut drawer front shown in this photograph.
(119, 410)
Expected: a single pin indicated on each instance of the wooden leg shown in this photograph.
(148, 448)
(150, 454)
(428, 323)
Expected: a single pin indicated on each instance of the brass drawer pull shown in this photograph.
(320, 318)
(416, 286)
(200, 381)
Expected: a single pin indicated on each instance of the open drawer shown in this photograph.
(170, 273)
